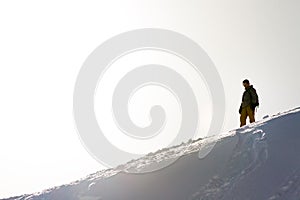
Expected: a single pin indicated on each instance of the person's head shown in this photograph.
(246, 83)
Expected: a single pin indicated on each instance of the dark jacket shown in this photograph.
(249, 97)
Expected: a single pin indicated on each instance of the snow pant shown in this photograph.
(247, 112)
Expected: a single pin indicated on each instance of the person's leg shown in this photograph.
(243, 117)
(250, 113)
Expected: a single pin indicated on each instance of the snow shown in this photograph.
(257, 161)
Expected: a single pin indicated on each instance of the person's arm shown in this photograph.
(240, 109)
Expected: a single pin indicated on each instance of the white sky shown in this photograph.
(43, 45)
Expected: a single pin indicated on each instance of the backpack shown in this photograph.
(255, 104)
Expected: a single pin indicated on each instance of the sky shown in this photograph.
(43, 46)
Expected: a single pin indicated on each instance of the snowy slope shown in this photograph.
(260, 161)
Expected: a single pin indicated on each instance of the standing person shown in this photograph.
(249, 102)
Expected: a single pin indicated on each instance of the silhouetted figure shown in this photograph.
(249, 102)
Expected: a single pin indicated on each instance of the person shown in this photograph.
(249, 102)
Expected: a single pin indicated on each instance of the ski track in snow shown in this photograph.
(255, 152)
